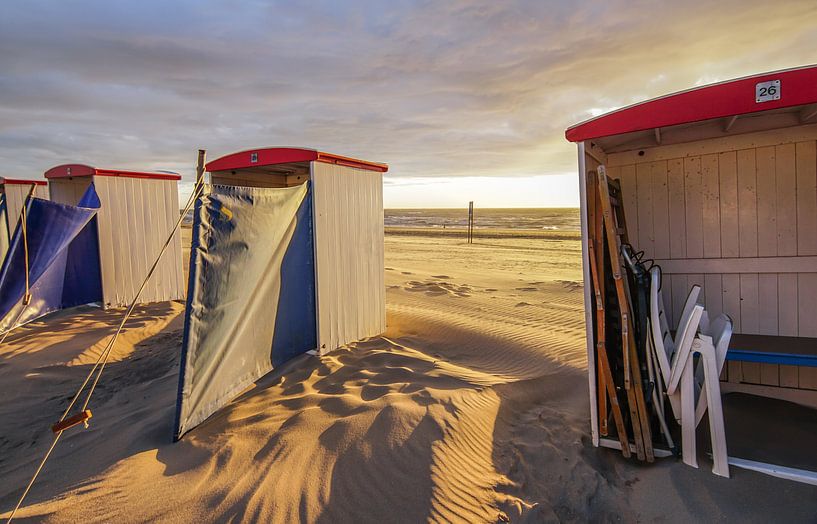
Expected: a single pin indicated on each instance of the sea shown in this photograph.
(540, 219)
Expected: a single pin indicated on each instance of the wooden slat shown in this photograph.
(629, 192)
(806, 198)
(677, 215)
(786, 204)
(660, 200)
(735, 374)
(787, 304)
(645, 235)
(788, 376)
(767, 306)
(747, 203)
(694, 279)
(807, 304)
(739, 265)
(727, 169)
(710, 180)
(680, 292)
(770, 374)
(807, 377)
(749, 314)
(766, 203)
(713, 294)
(750, 372)
(731, 300)
(693, 199)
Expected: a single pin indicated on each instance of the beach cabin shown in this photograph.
(13, 194)
(286, 259)
(347, 230)
(719, 188)
(138, 211)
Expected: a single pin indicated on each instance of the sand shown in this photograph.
(472, 407)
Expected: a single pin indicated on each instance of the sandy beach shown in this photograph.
(472, 407)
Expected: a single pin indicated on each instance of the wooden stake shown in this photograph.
(80, 418)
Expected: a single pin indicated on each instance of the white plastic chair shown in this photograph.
(711, 349)
(688, 386)
(664, 345)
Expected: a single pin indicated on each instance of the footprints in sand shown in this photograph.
(438, 288)
(571, 285)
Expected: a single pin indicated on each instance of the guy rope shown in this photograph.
(65, 422)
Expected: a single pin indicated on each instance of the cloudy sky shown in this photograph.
(466, 100)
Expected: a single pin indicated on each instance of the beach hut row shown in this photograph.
(286, 258)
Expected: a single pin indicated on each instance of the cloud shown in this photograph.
(436, 89)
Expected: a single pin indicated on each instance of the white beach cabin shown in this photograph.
(286, 259)
(138, 211)
(719, 187)
(347, 217)
(13, 194)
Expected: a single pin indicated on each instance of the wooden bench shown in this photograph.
(789, 351)
(772, 366)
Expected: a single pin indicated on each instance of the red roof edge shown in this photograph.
(79, 170)
(733, 97)
(283, 155)
(9, 181)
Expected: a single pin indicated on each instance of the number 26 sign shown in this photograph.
(767, 91)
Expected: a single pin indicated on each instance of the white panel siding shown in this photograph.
(15, 198)
(349, 274)
(135, 219)
(753, 206)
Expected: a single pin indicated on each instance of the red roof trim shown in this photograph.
(10, 181)
(284, 155)
(79, 170)
(724, 99)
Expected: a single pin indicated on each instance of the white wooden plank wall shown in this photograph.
(134, 221)
(743, 202)
(15, 198)
(348, 235)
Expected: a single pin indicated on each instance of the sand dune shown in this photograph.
(472, 407)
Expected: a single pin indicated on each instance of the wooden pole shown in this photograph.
(200, 166)
(471, 222)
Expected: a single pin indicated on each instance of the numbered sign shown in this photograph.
(767, 91)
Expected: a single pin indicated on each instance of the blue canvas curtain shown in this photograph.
(251, 296)
(59, 236)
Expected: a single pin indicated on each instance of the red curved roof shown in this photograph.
(74, 170)
(9, 181)
(724, 99)
(284, 155)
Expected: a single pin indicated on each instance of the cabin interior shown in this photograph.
(273, 175)
(730, 204)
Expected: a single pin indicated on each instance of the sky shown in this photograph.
(465, 100)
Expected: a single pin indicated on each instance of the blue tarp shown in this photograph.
(251, 296)
(63, 260)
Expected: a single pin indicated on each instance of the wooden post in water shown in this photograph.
(471, 222)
